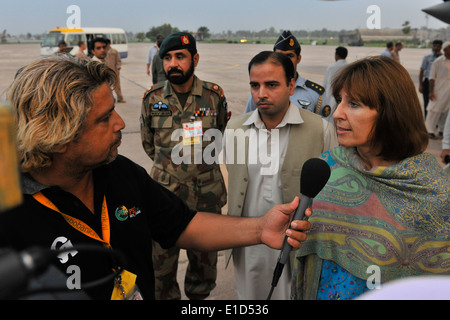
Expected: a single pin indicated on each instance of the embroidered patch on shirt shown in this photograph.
(122, 213)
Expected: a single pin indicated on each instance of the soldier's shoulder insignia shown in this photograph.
(153, 88)
(213, 87)
(316, 87)
(147, 92)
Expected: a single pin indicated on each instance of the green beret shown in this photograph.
(178, 41)
(286, 42)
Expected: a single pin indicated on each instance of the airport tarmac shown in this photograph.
(224, 64)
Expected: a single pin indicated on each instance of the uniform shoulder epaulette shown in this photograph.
(214, 87)
(316, 87)
(157, 86)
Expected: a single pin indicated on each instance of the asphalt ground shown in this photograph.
(224, 64)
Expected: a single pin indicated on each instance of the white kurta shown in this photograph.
(254, 265)
(440, 72)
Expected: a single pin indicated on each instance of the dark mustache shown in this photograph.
(175, 70)
(263, 101)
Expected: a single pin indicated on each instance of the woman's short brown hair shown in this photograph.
(383, 84)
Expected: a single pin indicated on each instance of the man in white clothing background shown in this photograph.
(439, 94)
(340, 56)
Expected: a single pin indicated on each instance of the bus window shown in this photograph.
(118, 39)
(74, 39)
(74, 36)
(52, 39)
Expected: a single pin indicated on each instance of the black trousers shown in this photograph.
(426, 94)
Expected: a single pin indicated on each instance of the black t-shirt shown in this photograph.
(139, 210)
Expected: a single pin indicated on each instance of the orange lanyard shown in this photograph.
(80, 225)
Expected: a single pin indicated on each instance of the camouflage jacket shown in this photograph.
(162, 119)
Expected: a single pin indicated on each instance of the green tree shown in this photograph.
(165, 30)
(140, 36)
(204, 32)
(406, 28)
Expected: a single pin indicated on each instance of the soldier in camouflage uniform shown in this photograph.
(169, 109)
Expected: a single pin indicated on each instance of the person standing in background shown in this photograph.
(340, 56)
(439, 94)
(152, 52)
(186, 105)
(98, 49)
(113, 61)
(396, 51)
(158, 74)
(388, 51)
(425, 68)
(80, 54)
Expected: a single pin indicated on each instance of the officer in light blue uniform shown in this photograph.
(308, 95)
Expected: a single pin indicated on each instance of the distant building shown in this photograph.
(386, 35)
(351, 38)
(359, 36)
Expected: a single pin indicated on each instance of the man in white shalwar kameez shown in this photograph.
(439, 93)
(279, 137)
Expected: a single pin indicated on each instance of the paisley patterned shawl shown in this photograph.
(396, 217)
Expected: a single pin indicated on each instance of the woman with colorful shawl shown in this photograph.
(384, 213)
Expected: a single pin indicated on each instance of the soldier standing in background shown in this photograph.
(184, 103)
(113, 61)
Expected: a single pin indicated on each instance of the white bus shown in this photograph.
(73, 37)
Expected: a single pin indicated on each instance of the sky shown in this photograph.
(23, 16)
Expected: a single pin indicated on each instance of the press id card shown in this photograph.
(193, 131)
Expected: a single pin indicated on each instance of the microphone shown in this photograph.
(315, 174)
(17, 269)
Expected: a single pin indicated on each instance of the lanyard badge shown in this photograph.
(125, 287)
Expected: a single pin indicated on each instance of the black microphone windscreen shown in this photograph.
(315, 174)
